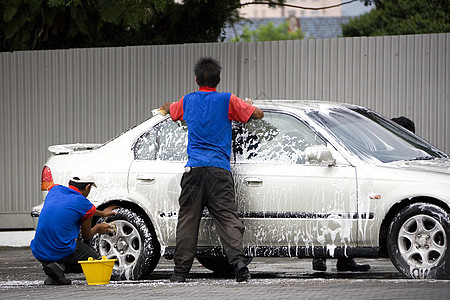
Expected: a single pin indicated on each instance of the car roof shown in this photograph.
(302, 104)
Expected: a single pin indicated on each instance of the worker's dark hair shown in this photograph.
(78, 185)
(207, 71)
(406, 123)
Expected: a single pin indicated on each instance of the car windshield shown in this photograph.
(371, 136)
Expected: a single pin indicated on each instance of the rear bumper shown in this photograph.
(35, 212)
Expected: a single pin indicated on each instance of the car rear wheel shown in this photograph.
(134, 246)
(418, 241)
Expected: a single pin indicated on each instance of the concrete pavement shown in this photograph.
(21, 276)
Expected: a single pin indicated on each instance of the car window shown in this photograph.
(369, 136)
(172, 141)
(145, 147)
(277, 138)
(166, 141)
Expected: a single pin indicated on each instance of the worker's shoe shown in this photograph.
(242, 273)
(349, 264)
(248, 260)
(50, 281)
(56, 274)
(178, 277)
(319, 264)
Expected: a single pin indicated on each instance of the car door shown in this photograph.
(155, 174)
(283, 199)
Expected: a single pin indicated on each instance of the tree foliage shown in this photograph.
(192, 21)
(269, 32)
(393, 17)
(40, 24)
(60, 24)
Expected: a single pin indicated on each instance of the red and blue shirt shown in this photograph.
(208, 115)
(60, 222)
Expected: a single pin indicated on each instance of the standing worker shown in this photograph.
(406, 123)
(65, 211)
(207, 180)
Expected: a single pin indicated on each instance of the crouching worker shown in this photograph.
(65, 211)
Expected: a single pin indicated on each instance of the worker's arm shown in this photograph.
(87, 232)
(257, 113)
(106, 212)
(175, 109)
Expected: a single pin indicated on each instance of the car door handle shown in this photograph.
(147, 179)
(253, 181)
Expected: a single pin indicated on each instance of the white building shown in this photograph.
(255, 11)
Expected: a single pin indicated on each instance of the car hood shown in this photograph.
(441, 165)
(70, 148)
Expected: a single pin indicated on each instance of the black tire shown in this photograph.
(418, 241)
(218, 264)
(134, 245)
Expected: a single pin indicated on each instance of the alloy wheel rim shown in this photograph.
(422, 241)
(124, 246)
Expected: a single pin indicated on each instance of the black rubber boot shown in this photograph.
(56, 274)
(319, 264)
(50, 281)
(349, 264)
(242, 273)
(178, 277)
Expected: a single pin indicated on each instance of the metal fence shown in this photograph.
(91, 95)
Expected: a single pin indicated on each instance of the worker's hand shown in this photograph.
(104, 228)
(109, 210)
(106, 212)
(248, 101)
(166, 107)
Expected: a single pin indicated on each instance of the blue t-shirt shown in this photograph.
(208, 115)
(209, 129)
(59, 223)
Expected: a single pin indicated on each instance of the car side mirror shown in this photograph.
(319, 155)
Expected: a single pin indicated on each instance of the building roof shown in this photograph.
(313, 27)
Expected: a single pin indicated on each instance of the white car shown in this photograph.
(312, 179)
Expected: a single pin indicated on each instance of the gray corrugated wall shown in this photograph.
(91, 95)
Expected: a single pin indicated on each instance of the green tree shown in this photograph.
(193, 21)
(40, 24)
(393, 17)
(269, 32)
(60, 24)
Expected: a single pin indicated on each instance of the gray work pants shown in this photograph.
(214, 188)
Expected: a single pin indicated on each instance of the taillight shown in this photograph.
(46, 179)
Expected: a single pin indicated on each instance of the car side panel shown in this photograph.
(159, 183)
(283, 205)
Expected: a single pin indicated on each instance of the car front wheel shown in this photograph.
(418, 241)
(134, 245)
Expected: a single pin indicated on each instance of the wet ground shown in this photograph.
(21, 277)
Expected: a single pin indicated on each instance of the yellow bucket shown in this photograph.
(97, 271)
